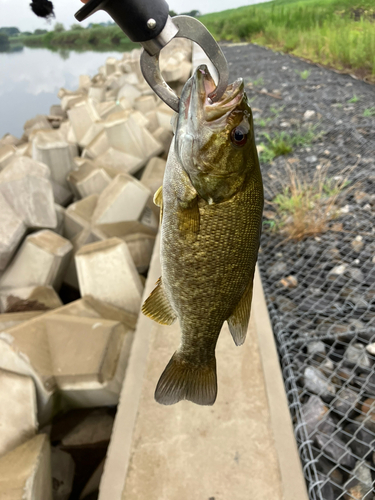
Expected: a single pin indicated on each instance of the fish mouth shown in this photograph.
(195, 101)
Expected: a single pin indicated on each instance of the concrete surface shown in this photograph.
(241, 448)
(18, 412)
(107, 272)
(25, 472)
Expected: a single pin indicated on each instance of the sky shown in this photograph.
(18, 13)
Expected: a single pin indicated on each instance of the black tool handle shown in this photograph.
(132, 16)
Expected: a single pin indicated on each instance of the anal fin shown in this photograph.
(239, 319)
(157, 306)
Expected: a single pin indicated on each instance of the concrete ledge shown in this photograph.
(243, 447)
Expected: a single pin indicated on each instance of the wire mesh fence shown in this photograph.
(320, 291)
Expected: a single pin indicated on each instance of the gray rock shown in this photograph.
(335, 449)
(345, 401)
(360, 485)
(311, 159)
(316, 417)
(285, 304)
(356, 274)
(316, 349)
(356, 355)
(277, 269)
(363, 439)
(62, 469)
(317, 383)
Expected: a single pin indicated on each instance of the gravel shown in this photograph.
(324, 322)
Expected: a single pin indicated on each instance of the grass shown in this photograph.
(283, 143)
(304, 74)
(354, 99)
(368, 112)
(304, 207)
(311, 29)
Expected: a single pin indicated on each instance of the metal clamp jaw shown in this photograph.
(148, 22)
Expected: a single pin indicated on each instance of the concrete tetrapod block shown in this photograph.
(20, 166)
(9, 320)
(88, 180)
(97, 92)
(123, 162)
(52, 149)
(33, 298)
(125, 134)
(84, 351)
(41, 260)
(62, 470)
(130, 92)
(25, 349)
(31, 197)
(60, 211)
(84, 81)
(140, 247)
(7, 153)
(82, 117)
(9, 139)
(124, 199)
(40, 122)
(107, 272)
(85, 237)
(12, 230)
(145, 103)
(25, 472)
(97, 146)
(153, 174)
(18, 410)
(164, 137)
(78, 216)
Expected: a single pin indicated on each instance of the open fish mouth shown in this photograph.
(196, 104)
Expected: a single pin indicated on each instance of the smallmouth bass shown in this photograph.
(211, 206)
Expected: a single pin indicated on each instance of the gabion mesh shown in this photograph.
(324, 323)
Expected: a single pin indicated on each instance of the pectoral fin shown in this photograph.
(189, 220)
(157, 306)
(239, 320)
(158, 201)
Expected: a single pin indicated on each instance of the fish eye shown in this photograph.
(238, 136)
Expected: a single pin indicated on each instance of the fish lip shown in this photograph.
(195, 96)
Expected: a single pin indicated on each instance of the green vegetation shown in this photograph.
(4, 42)
(368, 112)
(10, 31)
(304, 74)
(282, 143)
(97, 37)
(305, 206)
(354, 99)
(337, 33)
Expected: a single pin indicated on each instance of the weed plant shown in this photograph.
(305, 207)
(283, 143)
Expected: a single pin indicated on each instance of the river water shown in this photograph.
(31, 78)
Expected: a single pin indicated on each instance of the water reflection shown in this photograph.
(31, 78)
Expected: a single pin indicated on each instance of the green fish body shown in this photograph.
(211, 211)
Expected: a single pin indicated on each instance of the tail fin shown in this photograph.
(182, 379)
